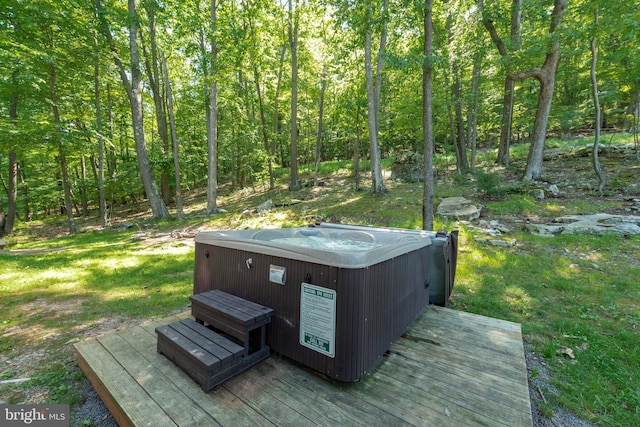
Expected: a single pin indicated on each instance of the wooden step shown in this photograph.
(244, 320)
(206, 356)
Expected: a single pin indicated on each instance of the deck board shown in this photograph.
(450, 368)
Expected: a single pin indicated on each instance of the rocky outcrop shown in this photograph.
(458, 208)
(601, 223)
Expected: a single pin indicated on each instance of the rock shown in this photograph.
(265, 206)
(140, 236)
(544, 229)
(123, 226)
(538, 193)
(601, 223)
(458, 208)
(554, 190)
(408, 166)
(502, 243)
(2, 244)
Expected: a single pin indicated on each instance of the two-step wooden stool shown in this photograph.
(227, 337)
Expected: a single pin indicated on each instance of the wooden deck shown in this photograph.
(449, 369)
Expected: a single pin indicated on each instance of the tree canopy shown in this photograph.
(70, 72)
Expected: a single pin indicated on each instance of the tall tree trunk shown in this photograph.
(373, 97)
(100, 175)
(504, 148)
(462, 161)
(263, 119)
(509, 85)
(12, 186)
(547, 78)
(263, 124)
(154, 76)
(174, 139)
(323, 87)
(427, 118)
(293, 45)
(472, 113)
(83, 186)
(596, 103)
(12, 193)
(134, 93)
(212, 122)
(68, 206)
(276, 104)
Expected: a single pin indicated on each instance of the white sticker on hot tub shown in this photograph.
(318, 319)
(277, 274)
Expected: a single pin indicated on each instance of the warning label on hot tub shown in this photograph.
(318, 319)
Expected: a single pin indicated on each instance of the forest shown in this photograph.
(109, 102)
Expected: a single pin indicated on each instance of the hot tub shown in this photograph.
(341, 295)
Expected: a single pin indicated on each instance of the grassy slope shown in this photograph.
(577, 292)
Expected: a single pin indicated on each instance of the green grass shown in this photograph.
(579, 292)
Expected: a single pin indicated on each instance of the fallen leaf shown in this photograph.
(567, 352)
(626, 406)
(583, 346)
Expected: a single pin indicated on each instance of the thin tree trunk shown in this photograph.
(212, 122)
(427, 118)
(154, 76)
(509, 85)
(596, 104)
(25, 192)
(68, 205)
(356, 149)
(83, 187)
(463, 163)
(174, 139)
(12, 193)
(323, 87)
(100, 175)
(293, 45)
(12, 186)
(263, 119)
(263, 123)
(276, 105)
(373, 99)
(472, 115)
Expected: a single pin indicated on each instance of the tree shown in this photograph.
(174, 137)
(62, 155)
(133, 88)
(8, 220)
(212, 117)
(294, 21)
(154, 76)
(427, 116)
(373, 95)
(509, 83)
(546, 76)
(596, 103)
(102, 200)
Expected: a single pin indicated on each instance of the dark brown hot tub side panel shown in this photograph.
(394, 293)
(374, 304)
(226, 269)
